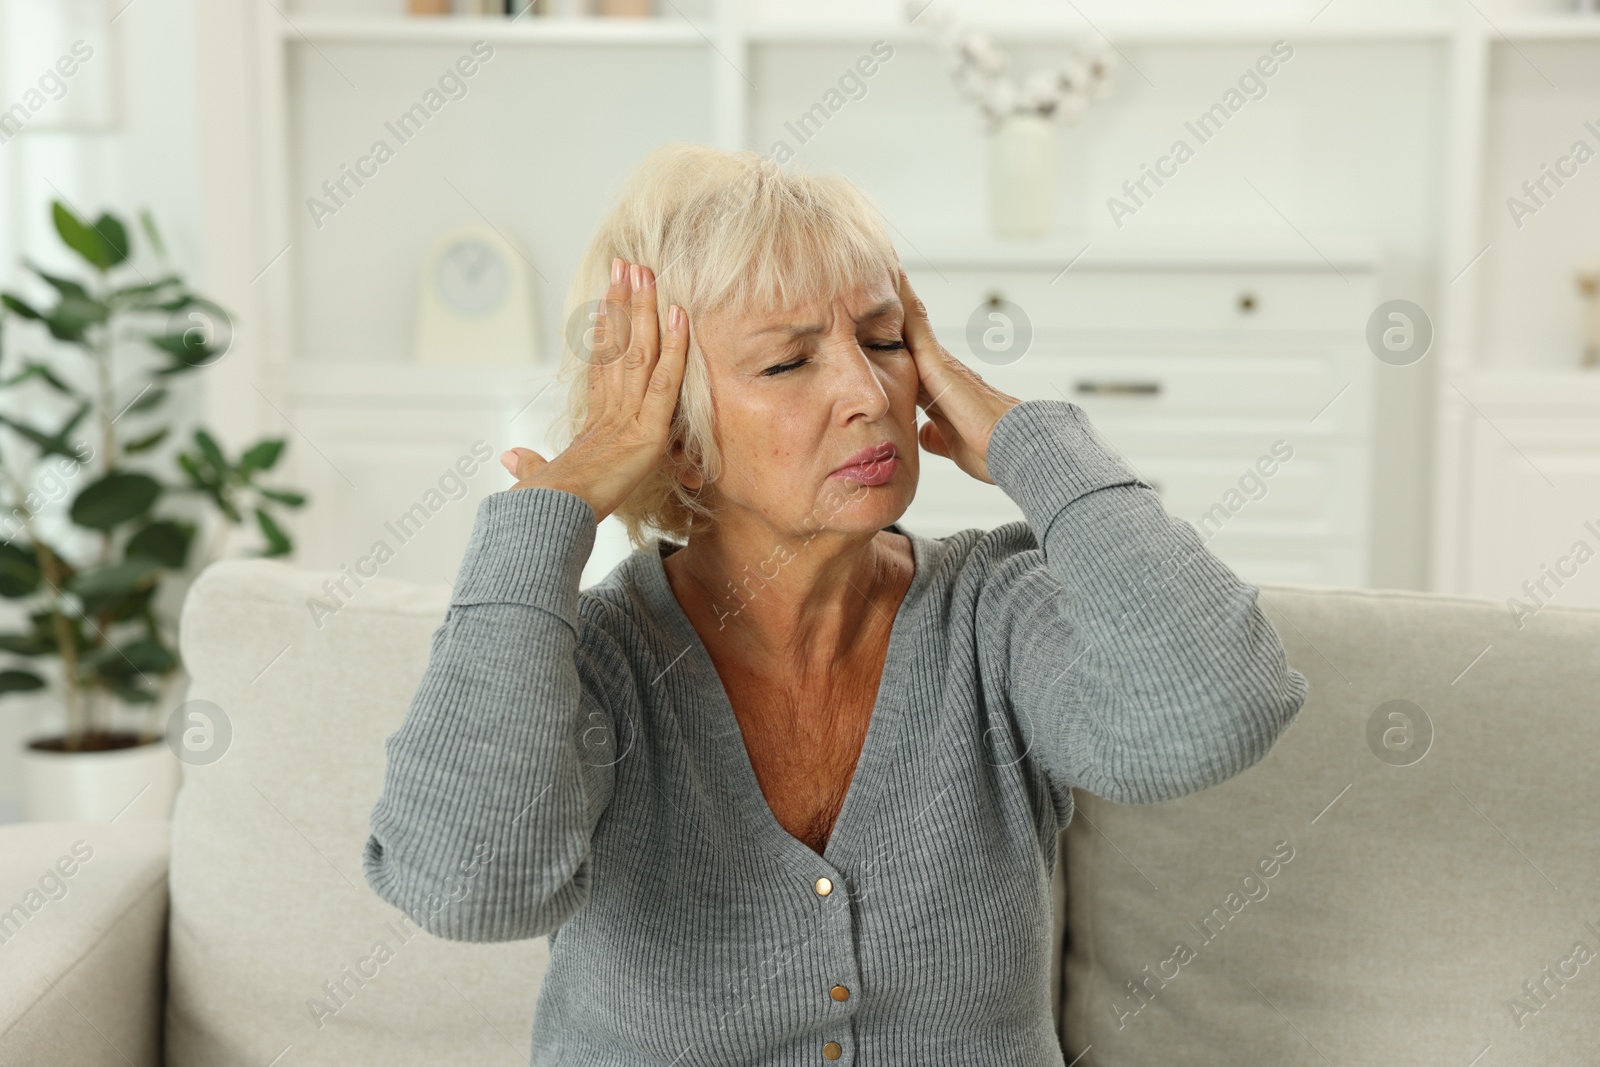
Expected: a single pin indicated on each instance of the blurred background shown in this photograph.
(1325, 271)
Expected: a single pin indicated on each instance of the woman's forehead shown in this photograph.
(862, 302)
(861, 299)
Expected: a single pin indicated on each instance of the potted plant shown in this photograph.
(1018, 117)
(97, 541)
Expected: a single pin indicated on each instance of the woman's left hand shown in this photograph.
(962, 408)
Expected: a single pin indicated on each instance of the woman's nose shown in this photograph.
(856, 384)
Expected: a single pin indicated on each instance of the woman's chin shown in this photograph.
(851, 506)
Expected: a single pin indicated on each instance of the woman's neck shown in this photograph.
(800, 600)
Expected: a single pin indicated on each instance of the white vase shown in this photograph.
(138, 783)
(1022, 175)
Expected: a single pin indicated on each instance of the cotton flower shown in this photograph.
(978, 68)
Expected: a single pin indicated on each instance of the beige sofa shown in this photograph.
(1328, 906)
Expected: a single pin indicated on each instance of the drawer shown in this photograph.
(1216, 485)
(1120, 302)
(1292, 384)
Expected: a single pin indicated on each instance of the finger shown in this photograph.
(932, 439)
(644, 336)
(611, 327)
(661, 396)
(933, 371)
(918, 330)
(611, 332)
(522, 463)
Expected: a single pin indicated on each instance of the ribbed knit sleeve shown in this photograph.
(483, 828)
(1139, 667)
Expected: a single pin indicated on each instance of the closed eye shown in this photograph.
(783, 368)
(887, 346)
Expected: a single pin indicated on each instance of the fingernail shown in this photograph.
(674, 316)
(508, 456)
(635, 276)
(616, 271)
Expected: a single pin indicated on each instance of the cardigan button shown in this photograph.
(832, 1050)
(824, 887)
(839, 992)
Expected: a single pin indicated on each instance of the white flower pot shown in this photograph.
(138, 783)
(1022, 175)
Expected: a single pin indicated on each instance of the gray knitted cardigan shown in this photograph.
(570, 765)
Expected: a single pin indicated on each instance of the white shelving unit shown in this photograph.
(293, 284)
(1517, 433)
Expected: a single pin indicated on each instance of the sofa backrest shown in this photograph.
(1408, 900)
(272, 923)
(1409, 877)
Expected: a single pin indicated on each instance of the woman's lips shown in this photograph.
(870, 466)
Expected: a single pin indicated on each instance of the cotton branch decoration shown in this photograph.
(1018, 114)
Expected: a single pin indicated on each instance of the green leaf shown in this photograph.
(44, 626)
(33, 644)
(83, 238)
(20, 306)
(14, 681)
(183, 345)
(19, 571)
(32, 369)
(55, 444)
(114, 499)
(145, 288)
(121, 607)
(262, 456)
(165, 541)
(212, 453)
(224, 502)
(71, 318)
(146, 400)
(64, 286)
(117, 580)
(278, 543)
(284, 497)
(145, 444)
(150, 655)
(149, 225)
(115, 235)
(202, 479)
(142, 655)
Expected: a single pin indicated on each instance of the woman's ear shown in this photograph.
(688, 475)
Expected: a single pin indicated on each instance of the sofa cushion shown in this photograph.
(272, 923)
(1364, 895)
(83, 909)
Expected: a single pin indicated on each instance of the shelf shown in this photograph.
(1534, 393)
(1183, 250)
(1547, 28)
(382, 383)
(530, 30)
(672, 31)
(1130, 31)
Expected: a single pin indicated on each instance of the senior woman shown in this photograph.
(785, 786)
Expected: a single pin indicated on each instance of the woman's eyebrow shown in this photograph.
(808, 329)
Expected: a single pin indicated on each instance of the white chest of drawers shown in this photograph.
(1238, 385)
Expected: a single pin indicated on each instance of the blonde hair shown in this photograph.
(726, 233)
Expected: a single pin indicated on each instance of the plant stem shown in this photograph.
(108, 441)
(102, 349)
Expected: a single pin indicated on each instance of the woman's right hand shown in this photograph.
(634, 374)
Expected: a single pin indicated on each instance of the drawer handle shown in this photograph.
(1106, 388)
